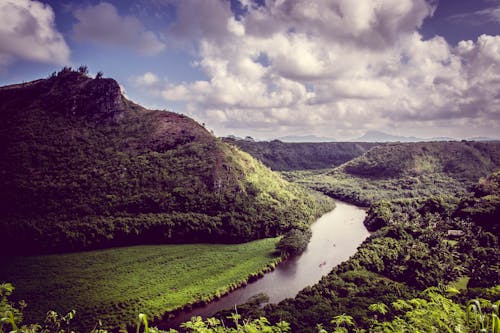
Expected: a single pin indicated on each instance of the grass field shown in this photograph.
(116, 284)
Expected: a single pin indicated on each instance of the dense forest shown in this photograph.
(410, 275)
(286, 156)
(83, 167)
(405, 170)
(414, 246)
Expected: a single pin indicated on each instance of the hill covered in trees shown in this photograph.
(286, 156)
(405, 170)
(82, 167)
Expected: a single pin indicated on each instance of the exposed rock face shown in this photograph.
(70, 93)
(100, 98)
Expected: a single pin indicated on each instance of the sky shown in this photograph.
(273, 68)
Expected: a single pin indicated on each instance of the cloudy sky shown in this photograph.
(270, 68)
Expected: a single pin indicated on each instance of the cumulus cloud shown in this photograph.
(28, 31)
(334, 65)
(145, 80)
(103, 25)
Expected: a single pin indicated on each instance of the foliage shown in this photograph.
(112, 285)
(9, 313)
(286, 156)
(483, 207)
(294, 241)
(460, 160)
(410, 250)
(84, 168)
(405, 170)
(432, 312)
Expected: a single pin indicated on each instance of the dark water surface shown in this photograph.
(335, 237)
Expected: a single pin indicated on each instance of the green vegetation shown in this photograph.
(114, 285)
(431, 311)
(461, 284)
(409, 251)
(84, 168)
(294, 242)
(405, 170)
(364, 191)
(286, 156)
(389, 285)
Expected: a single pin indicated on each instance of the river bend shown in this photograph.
(335, 237)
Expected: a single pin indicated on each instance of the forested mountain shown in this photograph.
(83, 167)
(461, 160)
(406, 170)
(286, 156)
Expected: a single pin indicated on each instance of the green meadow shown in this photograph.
(114, 284)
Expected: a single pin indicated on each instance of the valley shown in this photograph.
(335, 237)
(128, 210)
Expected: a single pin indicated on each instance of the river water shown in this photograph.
(335, 237)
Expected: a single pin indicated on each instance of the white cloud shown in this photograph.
(103, 25)
(27, 31)
(145, 80)
(334, 65)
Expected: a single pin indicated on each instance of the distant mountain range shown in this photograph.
(370, 136)
(306, 138)
(483, 138)
(377, 136)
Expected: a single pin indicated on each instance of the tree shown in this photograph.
(83, 70)
(294, 242)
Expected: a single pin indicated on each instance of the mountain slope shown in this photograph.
(461, 160)
(406, 170)
(286, 156)
(83, 167)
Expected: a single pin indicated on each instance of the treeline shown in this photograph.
(76, 179)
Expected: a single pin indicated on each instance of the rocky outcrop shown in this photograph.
(100, 98)
(70, 93)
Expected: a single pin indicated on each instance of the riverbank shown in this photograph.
(114, 285)
(335, 237)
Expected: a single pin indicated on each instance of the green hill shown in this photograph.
(460, 160)
(82, 167)
(287, 156)
(406, 170)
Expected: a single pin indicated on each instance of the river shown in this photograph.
(335, 237)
